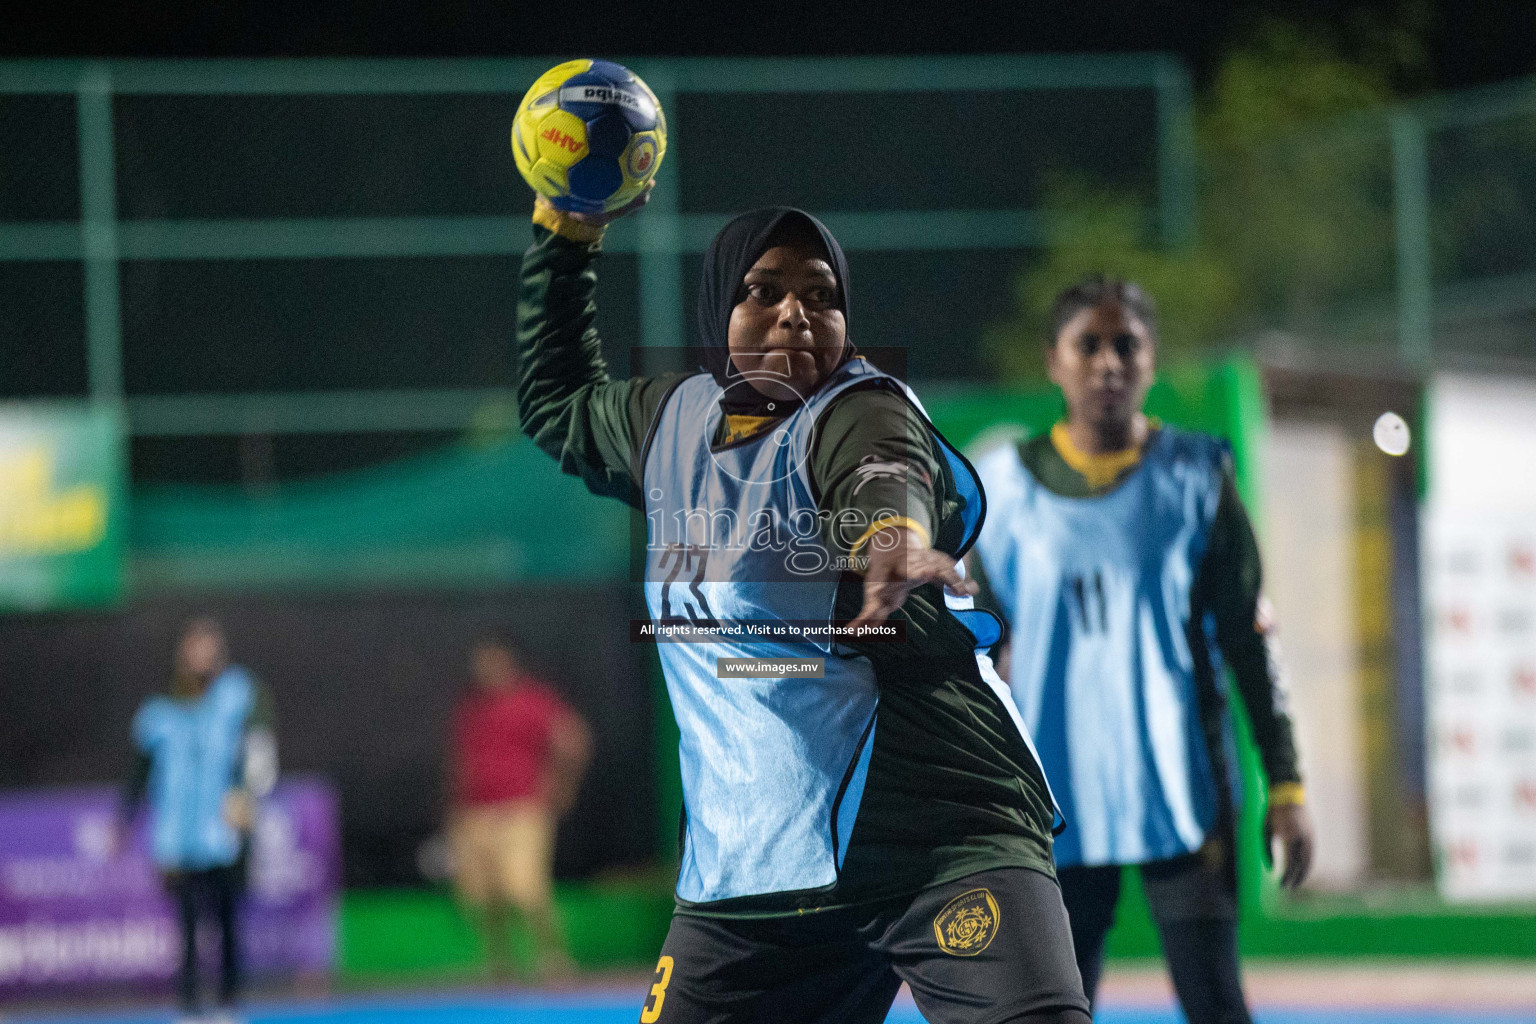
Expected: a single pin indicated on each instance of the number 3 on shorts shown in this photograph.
(652, 1012)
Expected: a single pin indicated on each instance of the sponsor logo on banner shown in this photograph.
(1480, 593)
(76, 912)
(1462, 563)
(1457, 621)
(1465, 683)
(38, 515)
(1464, 855)
(95, 837)
(50, 953)
(1522, 561)
(61, 500)
(1469, 798)
(1519, 741)
(1516, 621)
(1460, 740)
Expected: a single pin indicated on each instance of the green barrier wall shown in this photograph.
(471, 515)
(406, 934)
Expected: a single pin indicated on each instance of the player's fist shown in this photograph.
(546, 209)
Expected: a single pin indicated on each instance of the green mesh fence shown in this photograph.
(210, 239)
(1408, 232)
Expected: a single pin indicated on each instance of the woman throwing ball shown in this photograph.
(883, 818)
(1121, 555)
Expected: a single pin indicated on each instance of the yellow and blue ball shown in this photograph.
(589, 135)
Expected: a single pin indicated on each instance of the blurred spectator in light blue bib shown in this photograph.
(206, 754)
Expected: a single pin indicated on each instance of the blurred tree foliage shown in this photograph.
(1292, 221)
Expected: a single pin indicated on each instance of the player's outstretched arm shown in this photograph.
(875, 462)
(567, 402)
(900, 561)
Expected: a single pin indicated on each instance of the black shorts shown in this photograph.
(989, 948)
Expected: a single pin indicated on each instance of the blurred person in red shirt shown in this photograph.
(518, 753)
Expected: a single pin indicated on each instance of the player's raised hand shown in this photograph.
(900, 561)
(1292, 825)
(599, 220)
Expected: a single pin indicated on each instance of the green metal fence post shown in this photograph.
(1410, 202)
(1176, 166)
(98, 233)
(660, 248)
(660, 227)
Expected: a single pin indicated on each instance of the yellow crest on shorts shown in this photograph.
(967, 923)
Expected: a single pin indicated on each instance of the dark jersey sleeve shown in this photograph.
(1229, 586)
(876, 459)
(590, 423)
(873, 463)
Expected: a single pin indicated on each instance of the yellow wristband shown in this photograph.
(880, 524)
(1287, 794)
(566, 227)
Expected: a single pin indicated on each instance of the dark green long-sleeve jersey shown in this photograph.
(952, 788)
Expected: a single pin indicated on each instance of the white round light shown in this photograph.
(1391, 434)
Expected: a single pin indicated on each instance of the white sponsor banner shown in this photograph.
(1480, 590)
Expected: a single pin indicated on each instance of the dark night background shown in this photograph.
(1465, 43)
(283, 306)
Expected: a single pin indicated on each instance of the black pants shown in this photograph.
(990, 948)
(212, 893)
(1194, 905)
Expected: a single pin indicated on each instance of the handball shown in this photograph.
(588, 136)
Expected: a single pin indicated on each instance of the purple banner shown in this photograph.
(74, 912)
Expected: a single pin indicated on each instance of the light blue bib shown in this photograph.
(773, 770)
(1097, 592)
(195, 748)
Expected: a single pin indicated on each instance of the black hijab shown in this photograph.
(726, 262)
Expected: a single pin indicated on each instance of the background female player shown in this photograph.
(205, 756)
(889, 820)
(1121, 555)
